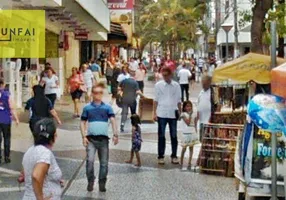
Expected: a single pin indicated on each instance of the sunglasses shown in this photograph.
(97, 92)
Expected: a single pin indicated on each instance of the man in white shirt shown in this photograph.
(167, 106)
(88, 79)
(206, 102)
(184, 75)
(133, 64)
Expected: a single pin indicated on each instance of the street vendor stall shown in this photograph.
(251, 157)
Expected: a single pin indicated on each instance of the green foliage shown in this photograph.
(172, 22)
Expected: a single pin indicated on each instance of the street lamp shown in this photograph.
(226, 28)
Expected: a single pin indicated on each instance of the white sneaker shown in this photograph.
(175, 161)
(161, 161)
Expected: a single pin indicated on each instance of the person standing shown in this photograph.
(51, 83)
(128, 89)
(167, 106)
(201, 65)
(124, 74)
(133, 64)
(184, 76)
(94, 131)
(108, 75)
(41, 172)
(40, 107)
(6, 113)
(207, 103)
(114, 83)
(102, 58)
(76, 87)
(96, 70)
(140, 76)
(88, 81)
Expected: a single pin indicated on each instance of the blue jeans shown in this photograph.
(124, 113)
(162, 123)
(101, 146)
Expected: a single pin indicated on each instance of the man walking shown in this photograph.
(88, 81)
(184, 76)
(94, 130)
(6, 113)
(128, 89)
(167, 106)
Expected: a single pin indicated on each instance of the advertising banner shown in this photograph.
(120, 4)
(123, 17)
(261, 161)
(22, 33)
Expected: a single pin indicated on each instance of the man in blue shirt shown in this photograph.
(94, 129)
(96, 70)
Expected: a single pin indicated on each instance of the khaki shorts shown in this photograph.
(88, 91)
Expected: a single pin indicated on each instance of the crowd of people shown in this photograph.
(125, 83)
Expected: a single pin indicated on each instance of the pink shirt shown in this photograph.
(140, 75)
(74, 82)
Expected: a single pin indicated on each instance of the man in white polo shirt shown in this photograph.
(184, 75)
(167, 105)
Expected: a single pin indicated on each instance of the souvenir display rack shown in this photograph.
(218, 148)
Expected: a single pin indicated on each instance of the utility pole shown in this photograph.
(236, 49)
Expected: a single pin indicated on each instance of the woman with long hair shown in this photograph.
(76, 87)
(40, 107)
(41, 173)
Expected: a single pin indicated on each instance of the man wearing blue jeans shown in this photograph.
(167, 105)
(94, 129)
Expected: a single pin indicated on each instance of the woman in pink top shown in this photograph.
(76, 88)
(140, 76)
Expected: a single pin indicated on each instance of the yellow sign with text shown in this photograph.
(22, 33)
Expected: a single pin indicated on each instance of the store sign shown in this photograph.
(22, 33)
(120, 4)
(123, 17)
(81, 36)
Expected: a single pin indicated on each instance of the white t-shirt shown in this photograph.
(41, 154)
(122, 77)
(204, 106)
(133, 65)
(87, 78)
(184, 75)
(50, 83)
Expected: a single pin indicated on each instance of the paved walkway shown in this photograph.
(124, 181)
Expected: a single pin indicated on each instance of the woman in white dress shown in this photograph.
(41, 174)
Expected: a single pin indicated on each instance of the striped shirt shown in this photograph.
(97, 116)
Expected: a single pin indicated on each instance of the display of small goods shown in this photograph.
(218, 148)
(235, 117)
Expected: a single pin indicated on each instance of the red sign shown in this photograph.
(120, 4)
(81, 36)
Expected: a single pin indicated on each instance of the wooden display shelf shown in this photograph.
(223, 139)
(212, 170)
(218, 151)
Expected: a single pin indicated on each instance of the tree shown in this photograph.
(172, 23)
(259, 11)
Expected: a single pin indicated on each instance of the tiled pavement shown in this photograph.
(125, 181)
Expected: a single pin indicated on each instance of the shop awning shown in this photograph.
(116, 32)
(251, 67)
